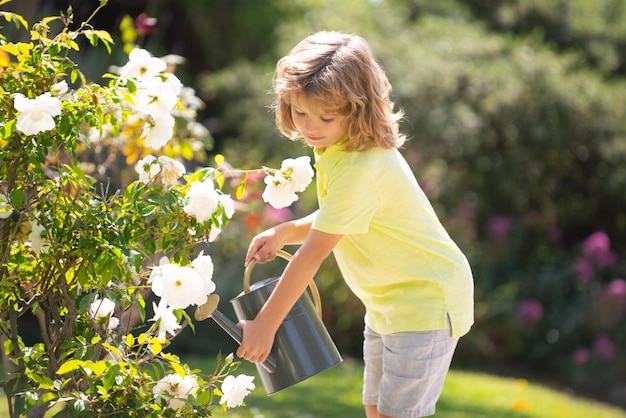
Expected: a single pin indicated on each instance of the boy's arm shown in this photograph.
(264, 246)
(258, 334)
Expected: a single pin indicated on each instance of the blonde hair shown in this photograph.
(338, 72)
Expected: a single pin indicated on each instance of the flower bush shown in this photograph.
(81, 257)
(552, 306)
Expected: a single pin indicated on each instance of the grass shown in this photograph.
(337, 393)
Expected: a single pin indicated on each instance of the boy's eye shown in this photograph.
(327, 120)
(298, 112)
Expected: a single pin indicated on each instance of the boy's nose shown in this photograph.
(309, 125)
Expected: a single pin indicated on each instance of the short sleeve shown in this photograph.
(349, 202)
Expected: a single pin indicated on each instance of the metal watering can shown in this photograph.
(302, 346)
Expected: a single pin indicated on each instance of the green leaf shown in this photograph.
(142, 307)
(143, 337)
(112, 349)
(178, 369)
(15, 18)
(155, 347)
(47, 397)
(204, 397)
(17, 198)
(130, 85)
(110, 377)
(219, 179)
(148, 210)
(241, 190)
(8, 129)
(135, 260)
(70, 366)
(98, 367)
(95, 36)
(44, 381)
(8, 346)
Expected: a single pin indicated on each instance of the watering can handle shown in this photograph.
(284, 254)
(237, 334)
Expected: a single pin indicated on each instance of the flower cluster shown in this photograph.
(175, 388)
(156, 95)
(182, 286)
(294, 176)
(596, 253)
(164, 169)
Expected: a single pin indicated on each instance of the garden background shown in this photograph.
(516, 113)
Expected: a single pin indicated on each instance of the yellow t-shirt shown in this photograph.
(395, 255)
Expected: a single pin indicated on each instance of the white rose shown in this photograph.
(202, 200)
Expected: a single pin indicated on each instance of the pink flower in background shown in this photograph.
(603, 347)
(529, 312)
(617, 288)
(499, 228)
(145, 24)
(273, 216)
(581, 356)
(597, 248)
(596, 243)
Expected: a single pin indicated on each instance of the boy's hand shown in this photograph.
(257, 341)
(264, 246)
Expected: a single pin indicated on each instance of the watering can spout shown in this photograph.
(237, 334)
(209, 309)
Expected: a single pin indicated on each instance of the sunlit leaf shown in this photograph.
(69, 366)
(112, 349)
(43, 381)
(8, 128)
(98, 367)
(143, 337)
(241, 190)
(156, 347)
(178, 369)
(14, 17)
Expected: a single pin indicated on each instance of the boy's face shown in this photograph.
(318, 129)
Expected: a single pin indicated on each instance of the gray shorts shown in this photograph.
(404, 372)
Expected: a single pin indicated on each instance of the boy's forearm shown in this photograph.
(296, 231)
(296, 277)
